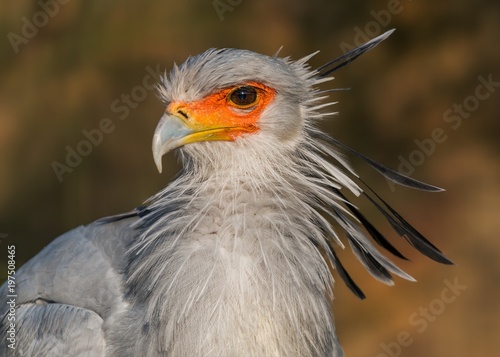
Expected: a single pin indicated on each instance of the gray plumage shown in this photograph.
(232, 257)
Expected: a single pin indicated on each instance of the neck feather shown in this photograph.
(232, 248)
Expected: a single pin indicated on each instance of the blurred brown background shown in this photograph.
(429, 96)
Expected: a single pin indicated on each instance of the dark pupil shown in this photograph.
(244, 96)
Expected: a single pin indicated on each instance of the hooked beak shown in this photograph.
(168, 135)
(173, 131)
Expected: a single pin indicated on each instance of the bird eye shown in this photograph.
(243, 97)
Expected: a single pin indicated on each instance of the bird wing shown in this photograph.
(52, 329)
(66, 296)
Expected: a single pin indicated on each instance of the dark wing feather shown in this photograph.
(345, 275)
(350, 56)
(370, 257)
(388, 173)
(374, 232)
(405, 229)
(370, 262)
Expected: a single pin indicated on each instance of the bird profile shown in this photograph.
(237, 255)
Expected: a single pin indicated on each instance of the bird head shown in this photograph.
(233, 95)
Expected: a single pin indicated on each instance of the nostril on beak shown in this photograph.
(183, 114)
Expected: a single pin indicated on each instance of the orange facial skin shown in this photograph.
(219, 117)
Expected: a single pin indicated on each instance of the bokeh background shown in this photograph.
(66, 66)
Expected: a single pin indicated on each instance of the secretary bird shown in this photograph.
(232, 258)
